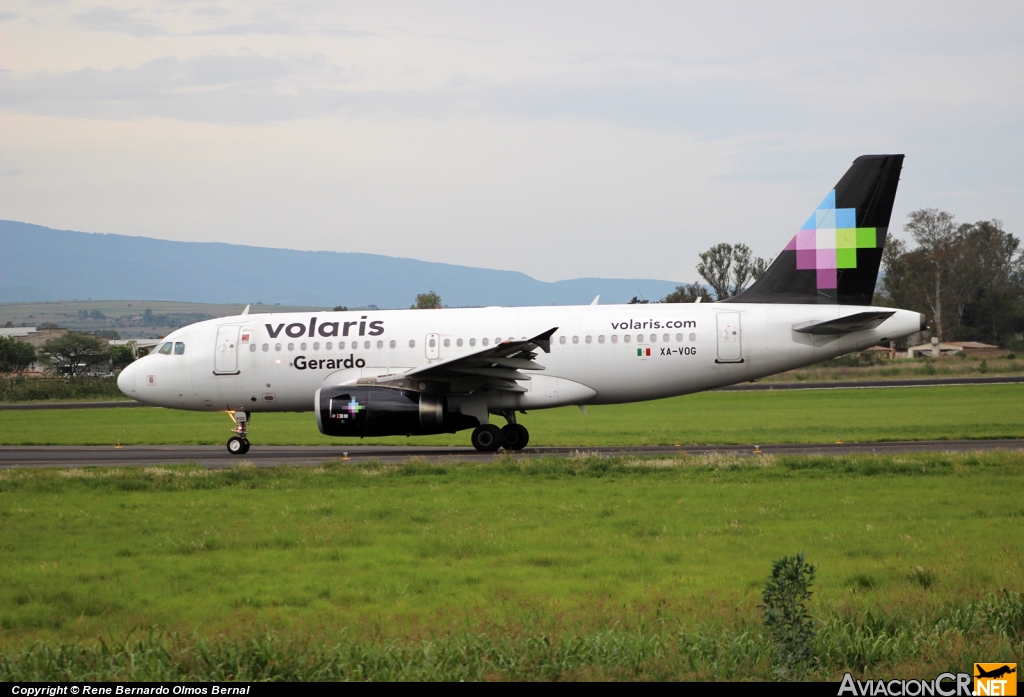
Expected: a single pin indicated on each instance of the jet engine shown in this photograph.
(357, 411)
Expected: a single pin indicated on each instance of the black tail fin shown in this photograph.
(835, 256)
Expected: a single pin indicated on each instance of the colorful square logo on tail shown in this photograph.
(829, 241)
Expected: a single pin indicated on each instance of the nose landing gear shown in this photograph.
(239, 444)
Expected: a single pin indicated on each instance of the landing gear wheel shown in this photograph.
(238, 446)
(514, 437)
(487, 438)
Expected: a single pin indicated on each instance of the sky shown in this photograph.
(563, 140)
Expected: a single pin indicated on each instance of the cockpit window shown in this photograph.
(166, 349)
(179, 348)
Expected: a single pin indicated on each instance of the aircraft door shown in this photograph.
(432, 346)
(225, 355)
(730, 337)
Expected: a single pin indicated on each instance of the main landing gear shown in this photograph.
(489, 438)
(239, 444)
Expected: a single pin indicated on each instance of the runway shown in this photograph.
(217, 457)
(743, 387)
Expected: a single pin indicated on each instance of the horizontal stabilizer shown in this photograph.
(845, 325)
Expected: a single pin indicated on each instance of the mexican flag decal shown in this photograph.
(643, 352)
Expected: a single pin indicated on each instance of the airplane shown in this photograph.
(419, 372)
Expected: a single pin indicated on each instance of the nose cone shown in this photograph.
(126, 380)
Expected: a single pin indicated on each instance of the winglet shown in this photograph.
(246, 310)
(596, 298)
(543, 341)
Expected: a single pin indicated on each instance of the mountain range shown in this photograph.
(40, 263)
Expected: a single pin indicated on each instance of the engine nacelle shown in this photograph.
(356, 411)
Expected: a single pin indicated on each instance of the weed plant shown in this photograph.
(18, 388)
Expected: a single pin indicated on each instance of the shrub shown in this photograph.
(785, 598)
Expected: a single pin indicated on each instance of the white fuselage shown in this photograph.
(600, 354)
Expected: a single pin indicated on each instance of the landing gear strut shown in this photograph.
(239, 443)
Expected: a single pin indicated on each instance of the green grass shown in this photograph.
(926, 413)
(555, 568)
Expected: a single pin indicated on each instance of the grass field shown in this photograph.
(990, 411)
(544, 568)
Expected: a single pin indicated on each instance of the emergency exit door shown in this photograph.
(730, 338)
(432, 346)
(225, 355)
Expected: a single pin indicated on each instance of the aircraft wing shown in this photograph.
(845, 325)
(497, 367)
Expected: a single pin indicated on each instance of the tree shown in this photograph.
(340, 308)
(73, 353)
(688, 293)
(994, 311)
(15, 356)
(427, 301)
(122, 356)
(729, 268)
(637, 301)
(938, 245)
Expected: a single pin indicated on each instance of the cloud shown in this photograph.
(8, 16)
(285, 28)
(110, 19)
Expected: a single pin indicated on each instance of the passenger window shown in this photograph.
(166, 349)
(179, 348)
(366, 344)
(561, 339)
(392, 344)
(291, 347)
(380, 344)
(615, 338)
(693, 337)
(665, 338)
(627, 338)
(277, 347)
(679, 337)
(654, 338)
(484, 341)
(432, 343)
(266, 347)
(472, 342)
(497, 340)
(458, 342)
(252, 348)
(341, 345)
(447, 343)
(600, 338)
(575, 340)
(589, 339)
(412, 343)
(327, 346)
(316, 345)
(302, 346)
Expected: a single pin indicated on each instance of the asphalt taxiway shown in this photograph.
(217, 457)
